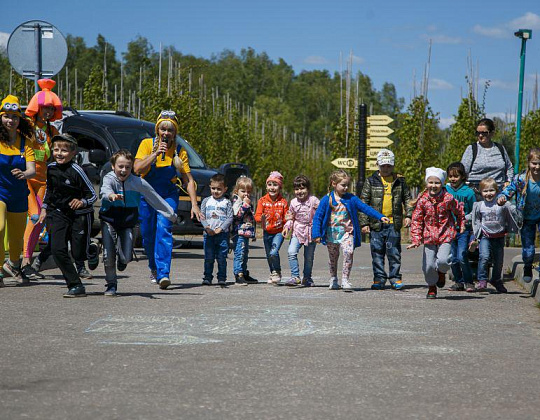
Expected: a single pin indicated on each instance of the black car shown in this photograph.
(102, 133)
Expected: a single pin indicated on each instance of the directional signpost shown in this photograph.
(377, 131)
(345, 163)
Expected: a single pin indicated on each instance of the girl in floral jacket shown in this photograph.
(435, 221)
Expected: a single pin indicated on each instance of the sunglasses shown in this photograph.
(10, 107)
(483, 133)
(167, 115)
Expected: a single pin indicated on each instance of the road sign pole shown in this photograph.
(362, 139)
(37, 41)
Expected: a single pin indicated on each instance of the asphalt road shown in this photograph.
(266, 352)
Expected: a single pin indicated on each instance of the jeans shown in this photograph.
(272, 244)
(491, 249)
(461, 269)
(386, 242)
(216, 247)
(241, 251)
(528, 236)
(309, 254)
(115, 242)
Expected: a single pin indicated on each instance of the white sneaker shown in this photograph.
(11, 270)
(333, 284)
(346, 285)
(275, 278)
(164, 283)
(153, 276)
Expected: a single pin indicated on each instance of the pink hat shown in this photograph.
(276, 177)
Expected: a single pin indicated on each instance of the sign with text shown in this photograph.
(379, 131)
(371, 165)
(378, 142)
(379, 120)
(345, 163)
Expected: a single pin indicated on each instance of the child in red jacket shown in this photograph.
(435, 221)
(271, 210)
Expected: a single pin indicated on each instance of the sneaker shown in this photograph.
(275, 278)
(527, 274)
(293, 281)
(469, 288)
(308, 283)
(93, 255)
(499, 286)
(457, 287)
(397, 284)
(473, 245)
(240, 280)
(164, 283)
(482, 286)
(74, 292)
(346, 286)
(32, 274)
(84, 274)
(110, 291)
(334, 284)
(377, 285)
(11, 270)
(249, 279)
(153, 276)
(432, 292)
(442, 280)
(36, 264)
(207, 282)
(120, 266)
(222, 282)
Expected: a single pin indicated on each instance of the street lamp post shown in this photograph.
(524, 34)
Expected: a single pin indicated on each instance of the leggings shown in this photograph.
(16, 223)
(35, 200)
(347, 246)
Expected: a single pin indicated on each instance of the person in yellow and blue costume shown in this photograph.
(17, 164)
(160, 161)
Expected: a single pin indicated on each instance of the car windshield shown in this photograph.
(130, 138)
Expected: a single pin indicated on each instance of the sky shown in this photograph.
(389, 39)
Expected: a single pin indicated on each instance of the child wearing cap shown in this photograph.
(388, 193)
(68, 209)
(436, 219)
(271, 211)
(17, 164)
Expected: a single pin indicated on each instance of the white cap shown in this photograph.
(436, 172)
(385, 157)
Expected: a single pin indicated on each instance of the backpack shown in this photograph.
(502, 151)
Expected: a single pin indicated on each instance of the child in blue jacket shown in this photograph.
(336, 225)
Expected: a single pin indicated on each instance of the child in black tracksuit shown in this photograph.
(68, 210)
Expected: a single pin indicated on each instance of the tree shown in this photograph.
(530, 127)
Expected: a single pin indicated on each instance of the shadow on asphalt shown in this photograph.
(461, 297)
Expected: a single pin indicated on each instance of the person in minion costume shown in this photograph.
(160, 161)
(17, 165)
(44, 108)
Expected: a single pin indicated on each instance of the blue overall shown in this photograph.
(14, 192)
(156, 230)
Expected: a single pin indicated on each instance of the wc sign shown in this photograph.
(345, 163)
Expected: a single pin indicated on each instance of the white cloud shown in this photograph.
(3, 41)
(357, 60)
(446, 122)
(439, 84)
(315, 59)
(443, 39)
(505, 30)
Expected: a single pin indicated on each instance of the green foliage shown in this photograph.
(530, 127)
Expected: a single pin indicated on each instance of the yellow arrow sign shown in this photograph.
(381, 142)
(379, 131)
(371, 165)
(345, 163)
(379, 120)
(372, 153)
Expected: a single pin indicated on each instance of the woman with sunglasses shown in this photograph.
(486, 158)
(159, 161)
(17, 164)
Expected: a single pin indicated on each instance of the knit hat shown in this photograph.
(169, 116)
(385, 157)
(12, 105)
(45, 97)
(276, 177)
(436, 172)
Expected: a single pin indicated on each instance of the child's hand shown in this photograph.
(317, 240)
(365, 229)
(288, 216)
(115, 197)
(76, 204)
(247, 201)
(218, 231)
(385, 220)
(285, 233)
(17, 173)
(407, 222)
(462, 229)
(263, 221)
(412, 246)
(501, 200)
(209, 231)
(42, 216)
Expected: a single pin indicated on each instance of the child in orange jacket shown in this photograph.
(271, 210)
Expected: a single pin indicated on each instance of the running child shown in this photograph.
(299, 225)
(527, 187)
(435, 221)
(216, 218)
(243, 229)
(120, 198)
(271, 210)
(491, 223)
(465, 196)
(336, 225)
